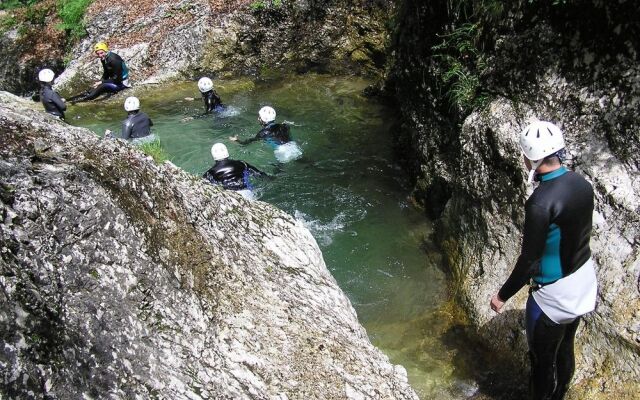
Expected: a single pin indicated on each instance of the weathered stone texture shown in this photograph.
(125, 279)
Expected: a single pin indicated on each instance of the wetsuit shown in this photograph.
(211, 101)
(114, 77)
(231, 174)
(52, 101)
(556, 257)
(272, 133)
(137, 125)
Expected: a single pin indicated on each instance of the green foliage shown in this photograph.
(11, 4)
(260, 5)
(71, 12)
(7, 23)
(36, 15)
(462, 64)
(155, 150)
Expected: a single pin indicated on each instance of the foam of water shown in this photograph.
(322, 232)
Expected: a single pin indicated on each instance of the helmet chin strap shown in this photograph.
(532, 171)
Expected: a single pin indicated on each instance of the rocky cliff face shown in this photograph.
(165, 39)
(126, 279)
(468, 80)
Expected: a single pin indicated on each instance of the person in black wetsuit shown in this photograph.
(274, 134)
(115, 75)
(138, 124)
(231, 174)
(212, 101)
(52, 102)
(556, 258)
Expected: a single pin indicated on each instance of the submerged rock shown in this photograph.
(126, 279)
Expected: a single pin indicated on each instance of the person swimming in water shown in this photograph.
(231, 174)
(276, 135)
(271, 132)
(138, 124)
(115, 75)
(212, 101)
(51, 100)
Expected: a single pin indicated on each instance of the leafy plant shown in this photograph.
(7, 23)
(71, 12)
(155, 150)
(260, 5)
(462, 63)
(11, 4)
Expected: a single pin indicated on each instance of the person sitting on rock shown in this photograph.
(138, 124)
(51, 100)
(115, 75)
(231, 174)
(212, 101)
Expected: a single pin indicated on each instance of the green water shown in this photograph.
(347, 191)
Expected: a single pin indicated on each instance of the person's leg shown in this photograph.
(544, 337)
(565, 360)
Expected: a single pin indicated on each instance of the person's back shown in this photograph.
(138, 124)
(231, 174)
(52, 101)
(275, 134)
(566, 199)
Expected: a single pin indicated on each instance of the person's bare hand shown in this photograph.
(496, 303)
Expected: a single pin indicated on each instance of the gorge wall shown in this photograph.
(125, 279)
(468, 77)
(163, 40)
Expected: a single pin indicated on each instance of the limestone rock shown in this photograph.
(126, 279)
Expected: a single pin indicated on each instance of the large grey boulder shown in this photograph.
(126, 279)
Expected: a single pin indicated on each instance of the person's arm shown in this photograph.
(127, 128)
(57, 101)
(253, 170)
(536, 226)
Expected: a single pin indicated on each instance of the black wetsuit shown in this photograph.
(232, 174)
(211, 101)
(272, 133)
(555, 244)
(52, 101)
(137, 125)
(115, 71)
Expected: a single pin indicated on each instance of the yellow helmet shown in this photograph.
(101, 46)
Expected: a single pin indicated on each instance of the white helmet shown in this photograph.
(46, 75)
(267, 114)
(219, 151)
(132, 104)
(539, 140)
(205, 84)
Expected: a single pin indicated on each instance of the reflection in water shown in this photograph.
(345, 189)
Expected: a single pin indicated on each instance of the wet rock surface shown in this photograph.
(471, 178)
(126, 279)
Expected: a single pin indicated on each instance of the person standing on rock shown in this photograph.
(115, 75)
(277, 135)
(51, 100)
(231, 174)
(555, 258)
(212, 101)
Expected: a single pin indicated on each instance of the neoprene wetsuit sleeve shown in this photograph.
(127, 128)
(536, 226)
(57, 100)
(254, 170)
(253, 139)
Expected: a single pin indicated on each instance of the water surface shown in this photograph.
(347, 191)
